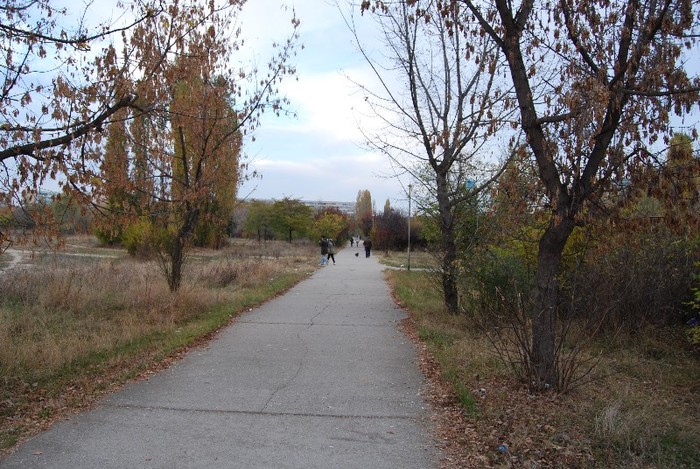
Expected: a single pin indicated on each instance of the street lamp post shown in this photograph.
(409, 226)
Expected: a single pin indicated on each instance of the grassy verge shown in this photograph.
(76, 328)
(641, 411)
(419, 259)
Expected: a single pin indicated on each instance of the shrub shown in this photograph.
(135, 238)
(633, 280)
(143, 239)
(107, 236)
(693, 334)
(491, 274)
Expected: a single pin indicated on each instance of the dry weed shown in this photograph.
(640, 412)
(54, 314)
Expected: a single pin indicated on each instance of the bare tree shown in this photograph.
(440, 107)
(595, 84)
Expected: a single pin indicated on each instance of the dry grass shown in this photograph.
(72, 326)
(641, 411)
(52, 316)
(420, 259)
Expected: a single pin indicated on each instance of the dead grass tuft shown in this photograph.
(242, 273)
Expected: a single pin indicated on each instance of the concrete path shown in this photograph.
(321, 377)
(15, 257)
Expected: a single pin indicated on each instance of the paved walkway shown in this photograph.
(321, 377)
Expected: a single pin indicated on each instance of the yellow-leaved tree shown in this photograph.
(165, 85)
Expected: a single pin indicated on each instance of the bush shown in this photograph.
(634, 280)
(138, 239)
(491, 274)
(693, 334)
(108, 237)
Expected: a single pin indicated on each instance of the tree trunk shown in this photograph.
(177, 251)
(546, 298)
(177, 258)
(449, 276)
(449, 246)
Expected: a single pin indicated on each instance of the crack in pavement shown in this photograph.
(262, 413)
(288, 382)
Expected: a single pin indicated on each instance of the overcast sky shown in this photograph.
(320, 155)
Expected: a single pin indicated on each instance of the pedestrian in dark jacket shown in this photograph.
(331, 251)
(324, 250)
(368, 246)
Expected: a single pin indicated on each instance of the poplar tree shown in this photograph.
(107, 72)
(364, 211)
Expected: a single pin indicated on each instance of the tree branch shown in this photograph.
(78, 42)
(30, 149)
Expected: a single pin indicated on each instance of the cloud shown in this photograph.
(336, 178)
(325, 103)
(320, 154)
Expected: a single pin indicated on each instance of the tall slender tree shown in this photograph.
(364, 211)
(114, 171)
(440, 106)
(62, 83)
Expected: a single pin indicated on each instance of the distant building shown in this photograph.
(347, 208)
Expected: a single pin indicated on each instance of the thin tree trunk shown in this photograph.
(449, 277)
(546, 298)
(177, 253)
(449, 274)
(177, 257)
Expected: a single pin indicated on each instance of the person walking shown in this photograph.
(324, 250)
(368, 246)
(331, 251)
